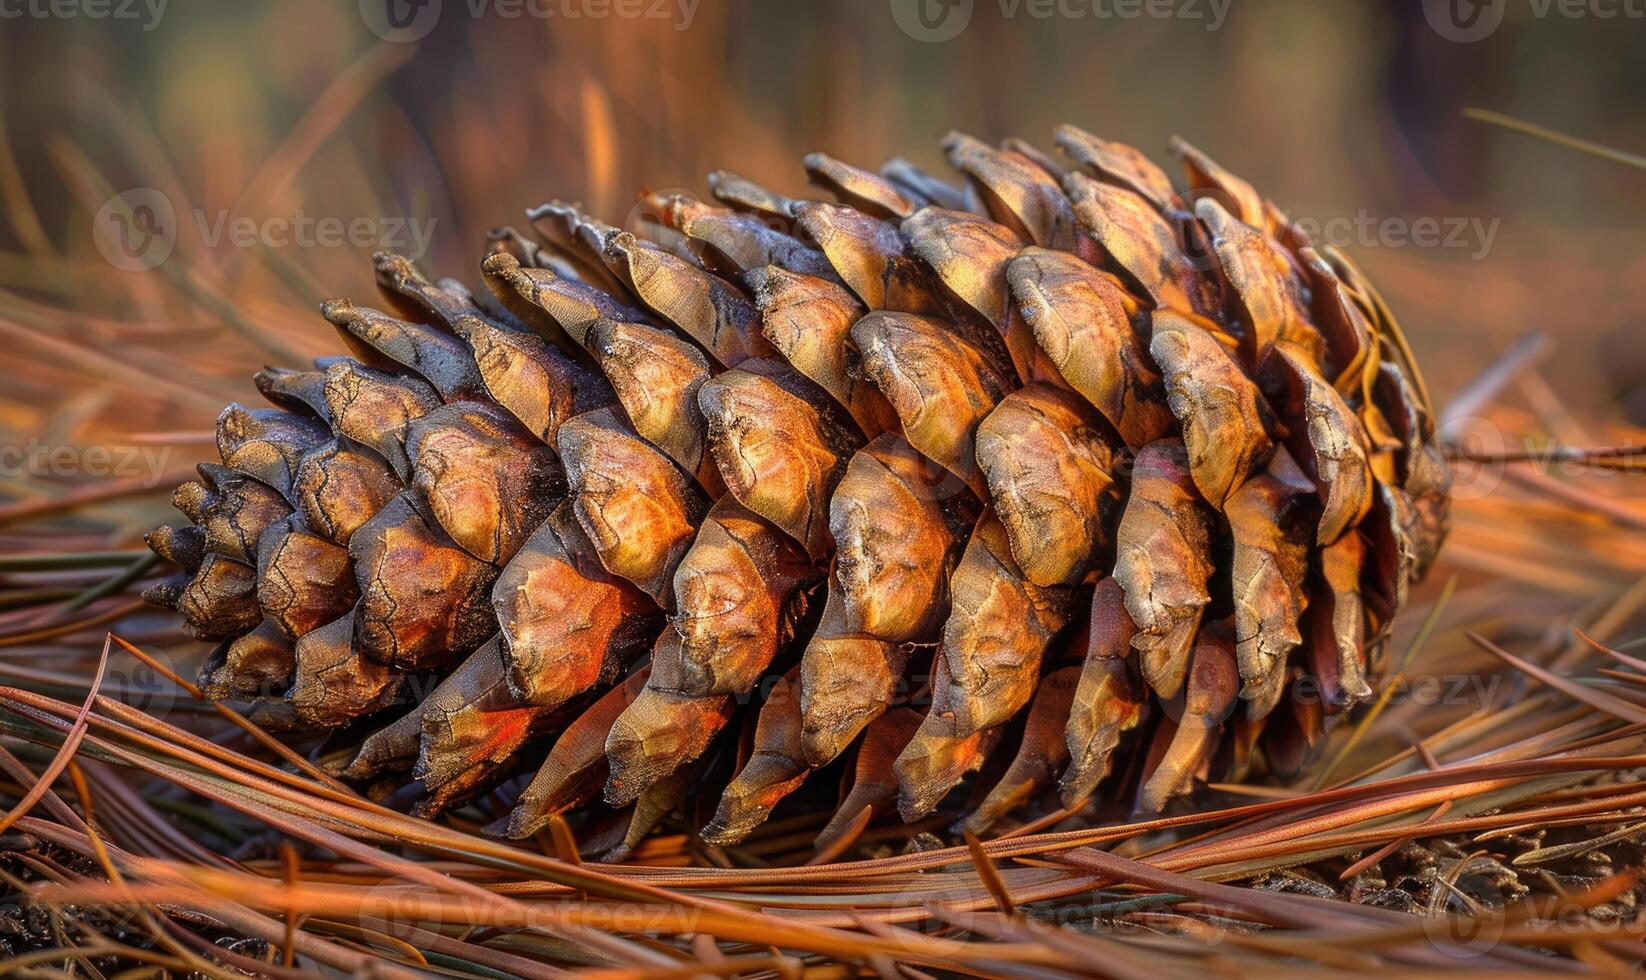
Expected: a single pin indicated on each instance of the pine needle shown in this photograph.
(1556, 137)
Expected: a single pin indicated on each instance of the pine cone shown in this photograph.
(1131, 481)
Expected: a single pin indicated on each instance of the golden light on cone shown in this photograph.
(1057, 480)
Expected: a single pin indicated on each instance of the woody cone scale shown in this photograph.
(1054, 483)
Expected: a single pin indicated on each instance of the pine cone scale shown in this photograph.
(1063, 445)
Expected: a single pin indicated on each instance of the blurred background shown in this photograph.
(183, 180)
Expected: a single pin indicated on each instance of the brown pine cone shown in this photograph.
(1130, 480)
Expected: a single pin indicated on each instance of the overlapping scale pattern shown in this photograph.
(1061, 477)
